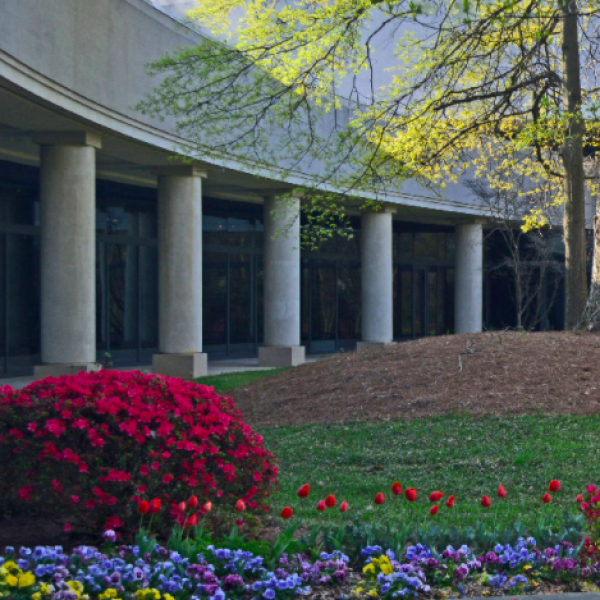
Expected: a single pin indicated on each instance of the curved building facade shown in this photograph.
(109, 248)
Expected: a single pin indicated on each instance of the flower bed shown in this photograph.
(148, 571)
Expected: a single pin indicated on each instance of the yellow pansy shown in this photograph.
(26, 579)
(12, 566)
(169, 597)
(370, 568)
(11, 580)
(46, 589)
(36, 596)
(110, 593)
(372, 593)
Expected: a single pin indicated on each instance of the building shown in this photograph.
(109, 247)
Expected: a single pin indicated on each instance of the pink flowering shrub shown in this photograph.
(82, 447)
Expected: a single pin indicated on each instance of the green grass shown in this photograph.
(457, 455)
(229, 381)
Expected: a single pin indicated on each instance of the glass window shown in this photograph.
(403, 246)
(22, 302)
(426, 245)
(323, 301)
(432, 304)
(349, 301)
(214, 298)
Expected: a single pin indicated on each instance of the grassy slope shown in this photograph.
(456, 455)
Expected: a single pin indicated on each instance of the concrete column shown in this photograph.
(377, 279)
(468, 278)
(180, 273)
(68, 252)
(282, 284)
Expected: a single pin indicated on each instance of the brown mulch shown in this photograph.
(506, 372)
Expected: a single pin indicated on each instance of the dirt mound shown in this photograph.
(510, 372)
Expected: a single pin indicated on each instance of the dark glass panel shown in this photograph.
(406, 299)
(260, 286)
(426, 245)
(431, 302)
(22, 302)
(214, 299)
(323, 302)
(241, 308)
(450, 300)
(240, 232)
(419, 295)
(442, 299)
(122, 302)
(349, 303)
(102, 316)
(342, 246)
(17, 205)
(214, 230)
(148, 278)
(3, 308)
(450, 246)
(305, 300)
(404, 246)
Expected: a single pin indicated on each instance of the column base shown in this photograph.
(187, 365)
(281, 356)
(58, 369)
(364, 345)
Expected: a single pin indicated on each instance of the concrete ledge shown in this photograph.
(365, 345)
(187, 366)
(281, 356)
(58, 369)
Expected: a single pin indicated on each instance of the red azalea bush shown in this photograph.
(82, 447)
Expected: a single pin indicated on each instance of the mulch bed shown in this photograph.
(502, 373)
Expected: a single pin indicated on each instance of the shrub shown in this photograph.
(83, 447)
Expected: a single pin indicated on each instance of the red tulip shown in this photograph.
(344, 506)
(435, 496)
(193, 502)
(155, 505)
(433, 510)
(207, 506)
(379, 498)
(450, 502)
(546, 498)
(579, 498)
(192, 520)
(501, 491)
(304, 491)
(397, 488)
(321, 506)
(486, 502)
(411, 494)
(181, 507)
(287, 513)
(240, 505)
(330, 501)
(143, 507)
(554, 485)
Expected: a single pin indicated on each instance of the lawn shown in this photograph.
(228, 381)
(457, 455)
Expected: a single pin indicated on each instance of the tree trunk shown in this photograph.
(572, 157)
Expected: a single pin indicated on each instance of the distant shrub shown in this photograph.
(82, 447)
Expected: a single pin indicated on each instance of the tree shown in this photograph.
(297, 84)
